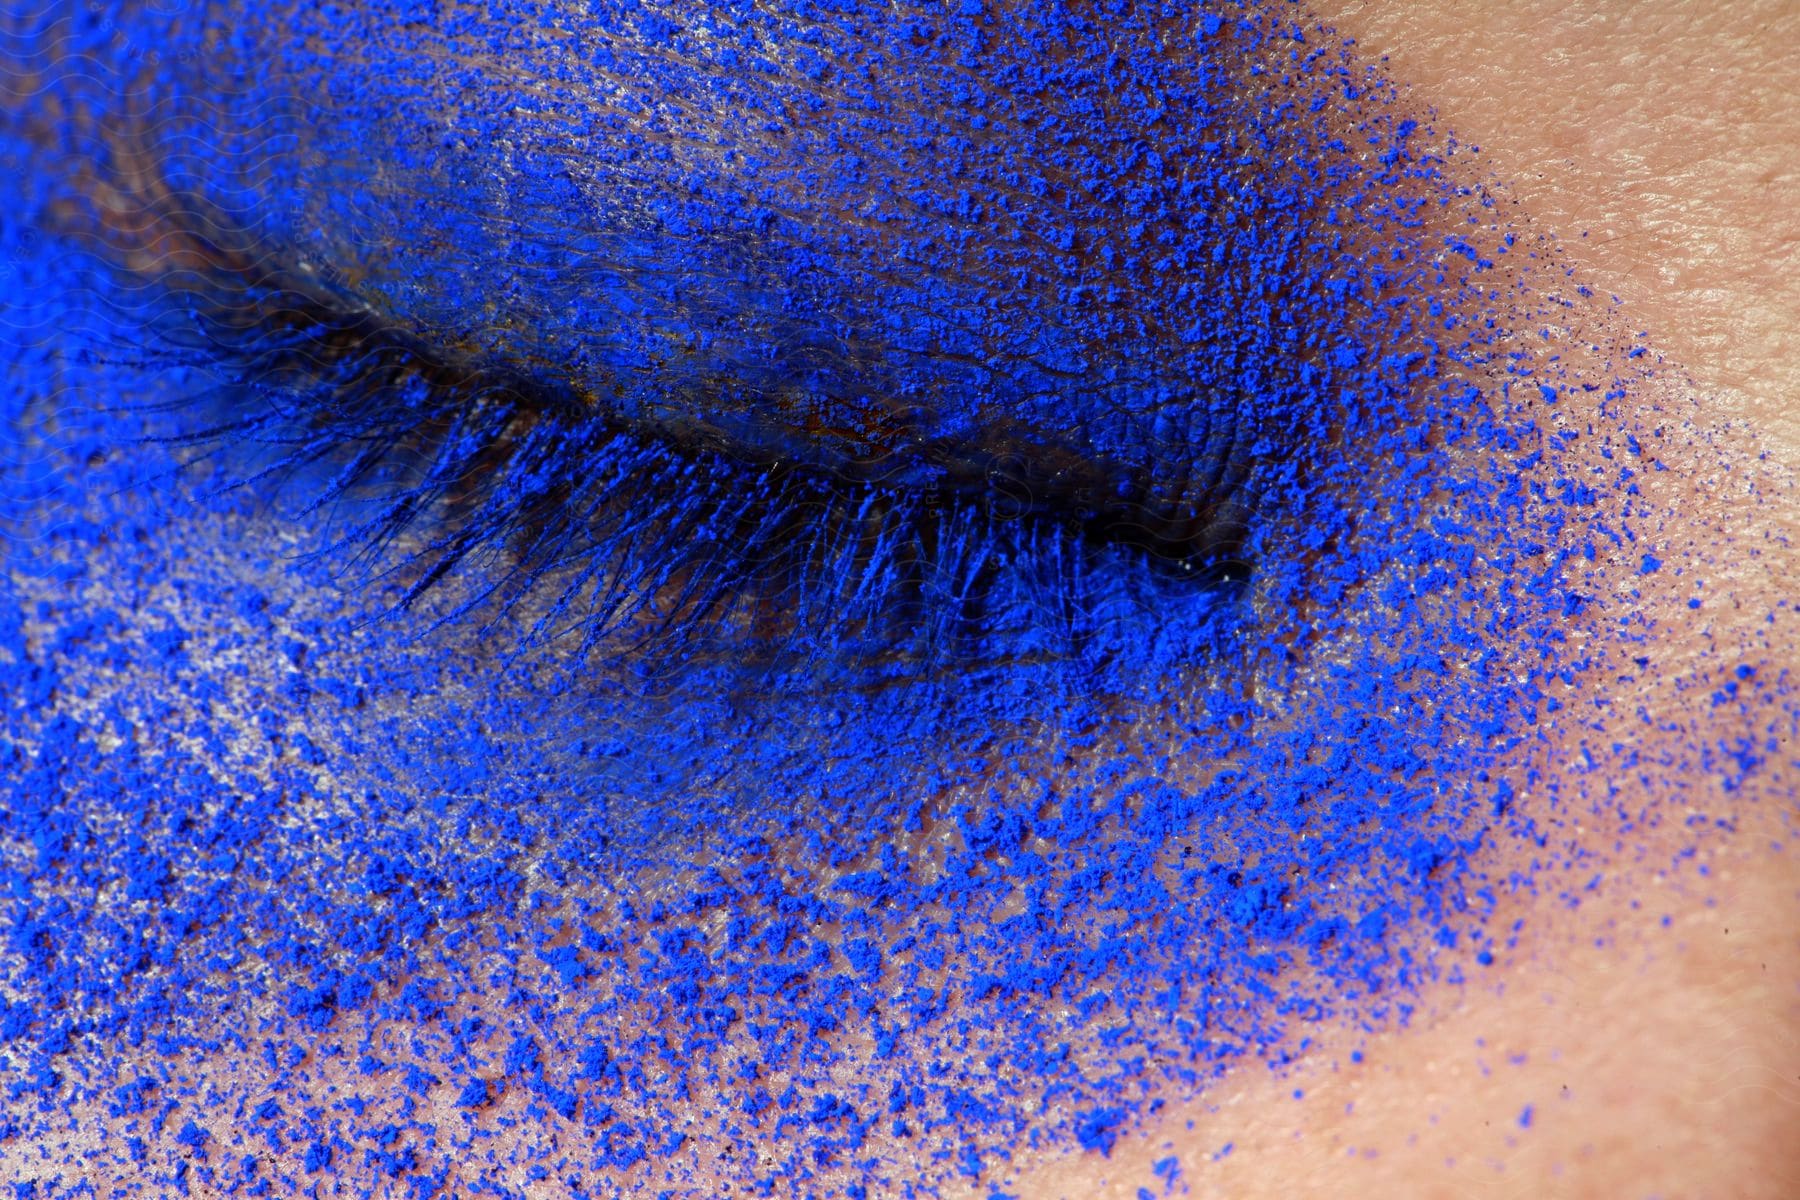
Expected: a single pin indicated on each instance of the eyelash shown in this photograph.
(645, 544)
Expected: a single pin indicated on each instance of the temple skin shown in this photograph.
(1625, 1043)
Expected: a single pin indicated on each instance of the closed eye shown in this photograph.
(818, 430)
(773, 514)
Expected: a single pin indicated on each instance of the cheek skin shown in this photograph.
(1601, 781)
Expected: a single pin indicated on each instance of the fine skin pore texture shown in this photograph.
(1646, 1040)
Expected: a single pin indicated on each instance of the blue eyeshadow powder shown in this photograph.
(298, 888)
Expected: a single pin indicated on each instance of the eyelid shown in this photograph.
(686, 526)
(1174, 497)
(691, 224)
(1108, 459)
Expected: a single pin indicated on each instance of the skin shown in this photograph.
(1664, 1061)
(1658, 1059)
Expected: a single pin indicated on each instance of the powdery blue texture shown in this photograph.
(557, 917)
